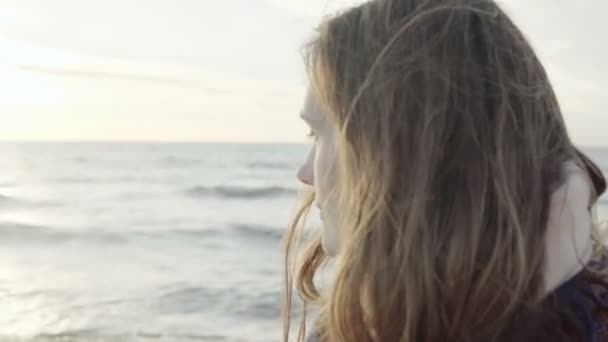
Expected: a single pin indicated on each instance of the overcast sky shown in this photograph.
(227, 70)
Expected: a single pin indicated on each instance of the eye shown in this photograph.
(312, 135)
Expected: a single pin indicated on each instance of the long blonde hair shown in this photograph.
(451, 141)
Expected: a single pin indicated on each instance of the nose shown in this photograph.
(306, 172)
(305, 175)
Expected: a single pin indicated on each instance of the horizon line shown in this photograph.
(223, 142)
(227, 142)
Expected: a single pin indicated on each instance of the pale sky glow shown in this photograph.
(207, 70)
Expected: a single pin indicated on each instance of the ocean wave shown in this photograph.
(93, 335)
(90, 180)
(72, 180)
(8, 201)
(238, 192)
(12, 231)
(13, 202)
(20, 232)
(81, 160)
(231, 231)
(234, 301)
(190, 234)
(179, 160)
(268, 165)
(258, 231)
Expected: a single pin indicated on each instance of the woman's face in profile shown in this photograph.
(318, 170)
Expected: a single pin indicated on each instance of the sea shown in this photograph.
(147, 241)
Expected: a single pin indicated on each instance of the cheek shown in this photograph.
(324, 168)
(320, 168)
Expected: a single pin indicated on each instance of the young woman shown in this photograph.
(455, 206)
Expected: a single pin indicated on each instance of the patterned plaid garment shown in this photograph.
(599, 321)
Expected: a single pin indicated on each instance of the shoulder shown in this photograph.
(590, 302)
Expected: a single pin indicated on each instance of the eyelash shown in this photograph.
(312, 136)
